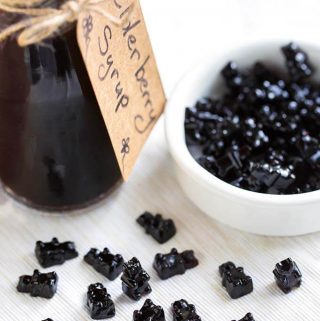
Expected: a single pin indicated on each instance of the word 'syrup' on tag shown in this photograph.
(124, 76)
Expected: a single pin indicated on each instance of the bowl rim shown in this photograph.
(175, 136)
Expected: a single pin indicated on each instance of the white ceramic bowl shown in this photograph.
(278, 215)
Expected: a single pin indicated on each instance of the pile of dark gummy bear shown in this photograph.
(135, 280)
(263, 134)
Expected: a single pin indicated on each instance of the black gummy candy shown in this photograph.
(54, 252)
(99, 302)
(234, 79)
(183, 311)
(274, 177)
(159, 228)
(226, 267)
(39, 284)
(287, 275)
(149, 312)
(263, 114)
(174, 263)
(135, 280)
(297, 62)
(247, 317)
(106, 263)
(236, 282)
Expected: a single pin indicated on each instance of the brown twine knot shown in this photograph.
(74, 8)
(44, 22)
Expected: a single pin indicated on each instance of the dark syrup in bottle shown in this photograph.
(55, 151)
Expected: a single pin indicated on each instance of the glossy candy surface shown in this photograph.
(135, 280)
(149, 312)
(54, 252)
(236, 282)
(247, 317)
(287, 275)
(99, 302)
(159, 228)
(106, 263)
(39, 284)
(174, 263)
(262, 135)
(183, 311)
(297, 62)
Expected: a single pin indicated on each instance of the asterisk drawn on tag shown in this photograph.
(87, 27)
(125, 150)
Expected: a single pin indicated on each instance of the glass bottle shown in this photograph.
(55, 151)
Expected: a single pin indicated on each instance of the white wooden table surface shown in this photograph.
(182, 32)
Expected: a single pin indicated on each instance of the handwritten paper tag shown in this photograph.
(124, 75)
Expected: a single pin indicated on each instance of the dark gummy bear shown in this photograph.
(297, 62)
(232, 76)
(287, 275)
(275, 178)
(236, 282)
(135, 280)
(183, 311)
(39, 284)
(106, 263)
(149, 312)
(226, 267)
(247, 317)
(160, 229)
(99, 302)
(54, 252)
(254, 133)
(174, 263)
(309, 147)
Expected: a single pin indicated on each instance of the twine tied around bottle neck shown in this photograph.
(42, 22)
